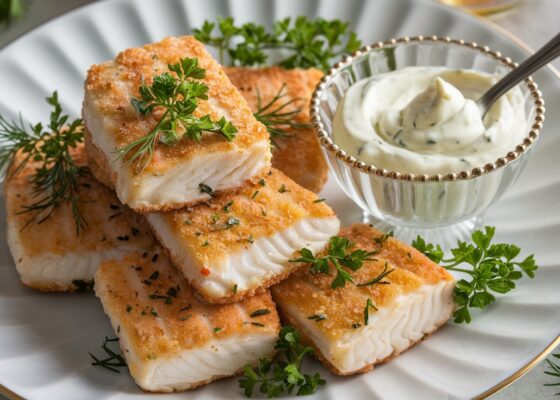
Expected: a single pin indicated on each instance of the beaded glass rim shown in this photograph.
(335, 150)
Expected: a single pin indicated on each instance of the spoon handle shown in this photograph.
(543, 56)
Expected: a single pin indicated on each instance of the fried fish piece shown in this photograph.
(51, 255)
(298, 154)
(170, 339)
(410, 302)
(238, 244)
(171, 179)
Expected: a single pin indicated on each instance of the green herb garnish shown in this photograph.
(554, 371)
(113, 360)
(177, 95)
(378, 280)
(369, 304)
(340, 255)
(259, 312)
(278, 115)
(205, 189)
(56, 180)
(273, 378)
(305, 43)
(492, 268)
(317, 317)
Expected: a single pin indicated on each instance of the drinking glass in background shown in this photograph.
(484, 7)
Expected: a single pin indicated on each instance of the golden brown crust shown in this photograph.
(343, 307)
(110, 224)
(299, 156)
(261, 209)
(134, 291)
(110, 86)
(398, 253)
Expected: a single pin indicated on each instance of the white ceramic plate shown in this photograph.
(44, 339)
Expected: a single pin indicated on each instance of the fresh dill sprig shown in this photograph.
(177, 95)
(554, 371)
(492, 268)
(307, 43)
(278, 115)
(113, 360)
(56, 179)
(338, 253)
(273, 378)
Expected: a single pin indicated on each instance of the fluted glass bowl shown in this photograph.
(442, 208)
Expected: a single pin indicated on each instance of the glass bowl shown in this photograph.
(442, 208)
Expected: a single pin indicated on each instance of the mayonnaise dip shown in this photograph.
(424, 120)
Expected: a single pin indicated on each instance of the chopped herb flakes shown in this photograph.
(369, 305)
(227, 207)
(317, 317)
(206, 189)
(259, 312)
(113, 360)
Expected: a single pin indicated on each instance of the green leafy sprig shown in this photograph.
(113, 360)
(56, 180)
(272, 378)
(177, 95)
(492, 268)
(10, 10)
(277, 116)
(304, 43)
(554, 371)
(339, 252)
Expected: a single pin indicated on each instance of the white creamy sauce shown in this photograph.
(424, 120)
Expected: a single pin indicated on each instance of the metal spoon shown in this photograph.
(543, 56)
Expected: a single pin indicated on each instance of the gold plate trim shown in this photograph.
(4, 391)
(520, 372)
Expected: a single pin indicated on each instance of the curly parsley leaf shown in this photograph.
(177, 93)
(56, 179)
(272, 378)
(339, 252)
(493, 268)
(304, 43)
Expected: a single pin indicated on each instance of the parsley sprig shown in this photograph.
(278, 114)
(56, 180)
(554, 371)
(307, 43)
(339, 252)
(112, 361)
(177, 95)
(492, 268)
(273, 378)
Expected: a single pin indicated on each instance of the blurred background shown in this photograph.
(532, 22)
